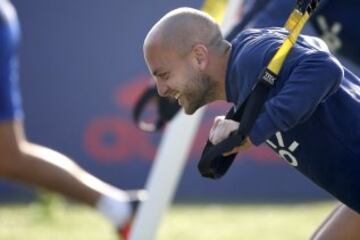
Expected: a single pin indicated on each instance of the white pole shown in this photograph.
(165, 174)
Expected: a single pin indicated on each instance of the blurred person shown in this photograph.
(333, 21)
(26, 162)
(312, 112)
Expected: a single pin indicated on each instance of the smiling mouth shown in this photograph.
(177, 96)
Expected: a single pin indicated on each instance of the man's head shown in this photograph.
(185, 53)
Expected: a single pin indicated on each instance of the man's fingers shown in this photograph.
(221, 129)
(234, 150)
(216, 135)
(216, 123)
(246, 145)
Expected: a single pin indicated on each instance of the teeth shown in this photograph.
(177, 96)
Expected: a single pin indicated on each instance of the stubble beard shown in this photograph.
(200, 92)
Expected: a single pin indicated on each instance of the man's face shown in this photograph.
(179, 78)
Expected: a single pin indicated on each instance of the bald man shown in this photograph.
(312, 113)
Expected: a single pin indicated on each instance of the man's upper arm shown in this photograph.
(11, 137)
(312, 80)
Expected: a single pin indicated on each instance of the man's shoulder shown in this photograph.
(247, 35)
(261, 32)
(276, 34)
(257, 43)
(255, 36)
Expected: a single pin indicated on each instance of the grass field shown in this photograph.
(184, 222)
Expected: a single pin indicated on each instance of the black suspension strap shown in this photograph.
(166, 110)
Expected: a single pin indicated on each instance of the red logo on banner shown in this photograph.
(113, 139)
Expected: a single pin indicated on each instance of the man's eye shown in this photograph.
(164, 76)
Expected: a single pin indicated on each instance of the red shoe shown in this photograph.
(136, 197)
(124, 232)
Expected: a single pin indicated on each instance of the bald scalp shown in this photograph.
(183, 28)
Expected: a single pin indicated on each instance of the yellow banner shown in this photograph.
(216, 8)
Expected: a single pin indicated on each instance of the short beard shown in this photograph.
(201, 92)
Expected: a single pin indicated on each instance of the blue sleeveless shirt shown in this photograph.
(10, 100)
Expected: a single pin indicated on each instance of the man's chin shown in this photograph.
(187, 112)
(190, 111)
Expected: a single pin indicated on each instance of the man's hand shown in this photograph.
(221, 129)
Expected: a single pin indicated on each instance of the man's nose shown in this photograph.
(163, 90)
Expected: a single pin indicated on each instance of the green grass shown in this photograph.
(248, 222)
(184, 222)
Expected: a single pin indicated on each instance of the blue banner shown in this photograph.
(82, 70)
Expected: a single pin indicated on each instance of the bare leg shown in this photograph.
(342, 224)
(40, 166)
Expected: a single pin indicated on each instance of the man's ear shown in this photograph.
(200, 55)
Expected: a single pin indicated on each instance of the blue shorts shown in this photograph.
(10, 99)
